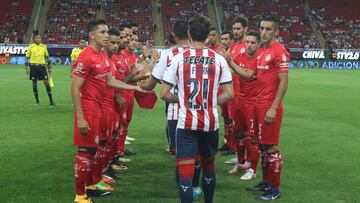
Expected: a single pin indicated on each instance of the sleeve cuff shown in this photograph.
(168, 83)
(225, 83)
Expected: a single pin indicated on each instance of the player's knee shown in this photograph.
(185, 168)
(208, 164)
(89, 150)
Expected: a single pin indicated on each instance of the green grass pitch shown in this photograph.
(319, 140)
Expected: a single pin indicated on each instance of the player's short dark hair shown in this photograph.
(231, 34)
(36, 32)
(170, 39)
(93, 24)
(199, 26)
(273, 19)
(255, 34)
(240, 19)
(114, 31)
(180, 29)
(212, 29)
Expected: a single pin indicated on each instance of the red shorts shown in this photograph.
(92, 138)
(107, 124)
(268, 134)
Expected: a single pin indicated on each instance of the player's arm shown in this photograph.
(157, 73)
(148, 84)
(27, 61)
(227, 93)
(112, 82)
(47, 59)
(120, 100)
(271, 113)
(76, 85)
(166, 95)
(242, 72)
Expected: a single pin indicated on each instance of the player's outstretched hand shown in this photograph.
(270, 116)
(83, 126)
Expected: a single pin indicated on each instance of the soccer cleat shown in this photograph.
(268, 196)
(37, 104)
(103, 186)
(119, 168)
(250, 174)
(232, 161)
(97, 193)
(124, 160)
(83, 199)
(127, 142)
(110, 173)
(130, 138)
(196, 193)
(224, 147)
(108, 180)
(239, 167)
(259, 187)
(128, 152)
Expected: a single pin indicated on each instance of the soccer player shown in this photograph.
(76, 51)
(197, 72)
(37, 57)
(226, 39)
(234, 129)
(245, 65)
(272, 76)
(90, 76)
(212, 40)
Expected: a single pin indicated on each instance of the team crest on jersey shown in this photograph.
(79, 67)
(242, 50)
(283, 57)
(268, 57)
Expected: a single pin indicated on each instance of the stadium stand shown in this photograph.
(67, 20)
(14, 19)
(339, 22)
(181, 9)
(131, 11)
(290, 13)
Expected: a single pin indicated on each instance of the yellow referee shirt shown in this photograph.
(75, 53)
(37, 53)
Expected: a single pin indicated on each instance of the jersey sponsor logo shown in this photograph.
(263, 67)
(268, 57)
(205, 60)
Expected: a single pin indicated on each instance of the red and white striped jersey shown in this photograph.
(158, 73)
(198, 73)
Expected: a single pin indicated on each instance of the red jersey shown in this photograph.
(198, 73)
(236, 49)
(121, 66)
(91, 65)
(109, 91)
(271, 61)
(248, 88)
(216, 48)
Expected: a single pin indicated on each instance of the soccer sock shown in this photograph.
(196, 178)
(122, 133)
(275, 162)
(108, 157)
(208, 179)
(98, 163)
(241, 150)
(265, 169)
(35, 90)
(48, 90)
(186, 174)
(82, 168)
(90, 176)
(253, 153)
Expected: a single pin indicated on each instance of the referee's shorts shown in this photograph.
(38, 72)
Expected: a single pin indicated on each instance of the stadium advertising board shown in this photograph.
(325, 64)
(13, 49)
(58, 60)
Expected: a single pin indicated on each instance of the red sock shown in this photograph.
(108, 157)
(253, 153)
(82, 166)
(275, 161)
(122, 133)
(265, 167)
(241, 150)
(98, 163)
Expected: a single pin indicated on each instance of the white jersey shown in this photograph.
(198, 73)
(158, 73)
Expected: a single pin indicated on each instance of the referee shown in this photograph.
(37, 57)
